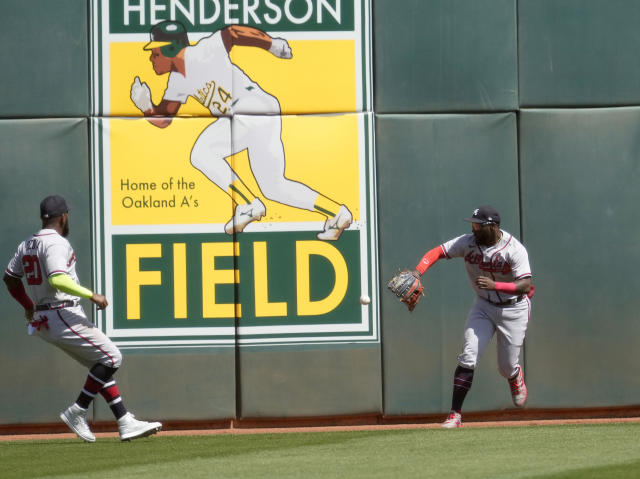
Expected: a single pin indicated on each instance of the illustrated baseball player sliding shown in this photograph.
(498, 267)
(205, 72)
(48, 264)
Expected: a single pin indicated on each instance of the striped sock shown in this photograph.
(240, 193)
(326, 206)
(462, 379)
(111, 394)
(91, 387)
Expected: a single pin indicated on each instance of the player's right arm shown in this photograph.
(162, 114)
(430, 258)
(159, 115)
(16, 290)
(450, 249)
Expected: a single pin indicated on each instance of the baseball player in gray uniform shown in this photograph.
(498, 268)
(47, 263)
(205, 72)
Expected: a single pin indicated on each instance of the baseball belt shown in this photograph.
(67, 303)
(509, 302)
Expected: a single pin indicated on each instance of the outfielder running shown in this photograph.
(498, 268)
(47, 261)
(205, 72)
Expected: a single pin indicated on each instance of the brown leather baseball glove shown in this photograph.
(407, 286)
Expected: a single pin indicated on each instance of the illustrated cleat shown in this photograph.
(76, 418)
(453, 421)
(244, 215)
(334, 227)
(130, 428)
(518, 388)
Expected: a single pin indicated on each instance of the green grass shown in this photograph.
(558, 452)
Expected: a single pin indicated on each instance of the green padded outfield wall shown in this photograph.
(577, 53)
(449, 162)
(39, 157)
(580, 177)
(46, 58)
(445, 55)
(467, 109)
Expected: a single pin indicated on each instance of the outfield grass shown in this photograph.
(575, 451)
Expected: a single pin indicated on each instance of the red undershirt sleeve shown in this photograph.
(20, 295)
(506, 288)
(429, 259)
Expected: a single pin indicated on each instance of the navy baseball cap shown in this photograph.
(485, 215)
(53, 206)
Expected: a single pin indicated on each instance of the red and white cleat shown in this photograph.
(518, 389)
(454, 420)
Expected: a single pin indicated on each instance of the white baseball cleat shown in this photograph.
(130, 428)
(244, 215)
(76, 418)
(453, 421)
(518, 389)
(334, 227)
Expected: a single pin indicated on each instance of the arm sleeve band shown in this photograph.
(506, 287)
(428, 259)
(20, 295)
(64, 283)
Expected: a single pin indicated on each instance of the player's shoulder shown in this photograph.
(463, 241)
(467, 239)
(508, 237)
(511, 241)
(210, 41)
(49, 237)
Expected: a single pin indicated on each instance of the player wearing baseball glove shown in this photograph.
(407, 286)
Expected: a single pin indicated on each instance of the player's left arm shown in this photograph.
(519, 286)
(66, 284)
(519, 262)
(242, 35)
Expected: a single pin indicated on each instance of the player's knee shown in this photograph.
(270, 190)
(467, 361)
(197, 159)
(116, 359)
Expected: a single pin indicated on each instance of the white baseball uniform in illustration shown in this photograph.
(248, 118)
(45, 254)
(492, 311)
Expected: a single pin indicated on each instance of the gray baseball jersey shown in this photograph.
(506, 261)
(44, 254)
(493, 312)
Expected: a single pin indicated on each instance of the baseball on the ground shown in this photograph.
(364, 299)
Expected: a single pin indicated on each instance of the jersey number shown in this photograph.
(207, 97)
(32, 270)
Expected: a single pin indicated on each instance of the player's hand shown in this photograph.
(99, 301)
(28, 315)
(280, 48)
(485, 283)
(141, 95)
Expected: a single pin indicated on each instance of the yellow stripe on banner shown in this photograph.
(180, 280)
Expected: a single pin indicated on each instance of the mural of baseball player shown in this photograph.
(205, 72)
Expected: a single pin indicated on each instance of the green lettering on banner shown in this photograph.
(137, 16)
